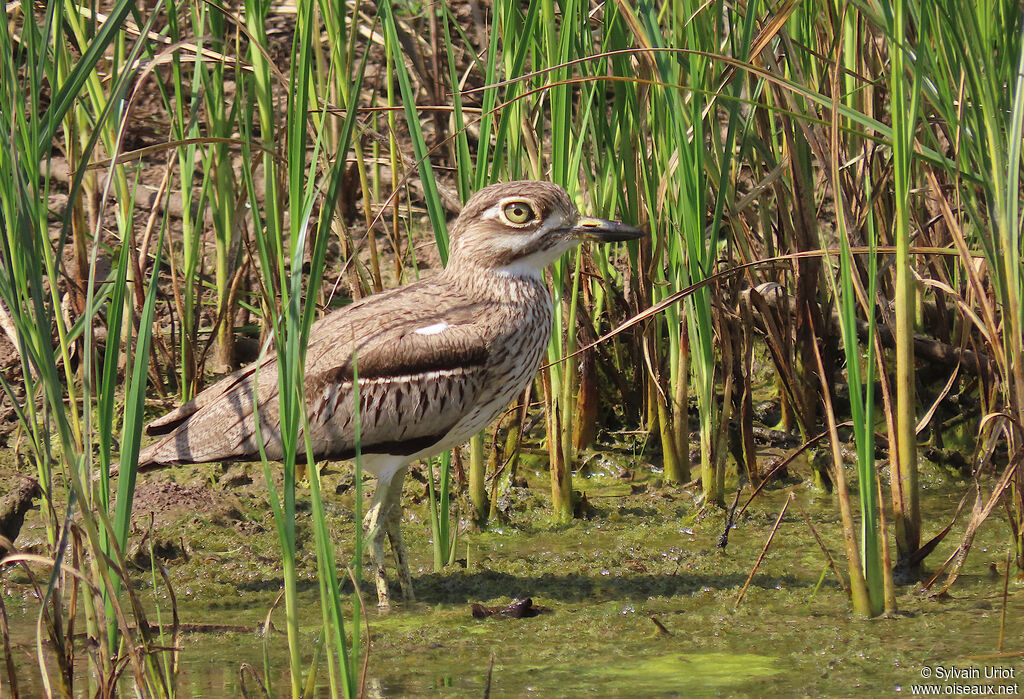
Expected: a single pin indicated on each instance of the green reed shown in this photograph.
(973, 57)
(223, 199)
(865, 562)
(89, 99)
(555, 43)
(430, 194)
(183, 110)
(487, 165)
(904, 98)
(676, 163)
(307, 183)
(443, 533)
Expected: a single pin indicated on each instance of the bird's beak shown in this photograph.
(602, 231)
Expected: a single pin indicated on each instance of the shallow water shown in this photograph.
(642, 555)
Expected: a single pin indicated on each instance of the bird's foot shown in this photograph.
(401, 560)
(383, 593)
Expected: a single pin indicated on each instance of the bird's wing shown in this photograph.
(218, 424)
(168, 422)
(417, 378)
(420, 365)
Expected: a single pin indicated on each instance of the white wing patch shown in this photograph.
(435, 329)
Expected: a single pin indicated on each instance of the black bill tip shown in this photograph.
(604, 231)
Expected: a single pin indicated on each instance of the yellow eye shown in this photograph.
(519, 212)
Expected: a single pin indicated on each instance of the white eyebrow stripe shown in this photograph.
(435, 329)
(492, 213)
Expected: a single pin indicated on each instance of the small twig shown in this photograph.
(979, 514)
(888, 585)
(993, 656)
(730, 519)
(366, 622)
(175, 620)
(662, 630)
(246, 667)
(764, 551)
(782, 464)
(12, 676)
(490, 675)
(824, 550)
(267, 625)
(1006, 587)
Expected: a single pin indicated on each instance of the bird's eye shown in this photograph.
(519, 212)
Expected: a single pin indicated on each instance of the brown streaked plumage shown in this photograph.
(437, 359)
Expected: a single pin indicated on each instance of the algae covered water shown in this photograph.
(637, 600)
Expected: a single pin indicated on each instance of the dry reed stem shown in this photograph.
(764, 551)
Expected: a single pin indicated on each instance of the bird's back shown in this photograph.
(436, 361)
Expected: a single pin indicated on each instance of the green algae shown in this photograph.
(647, 552)
(710, 672)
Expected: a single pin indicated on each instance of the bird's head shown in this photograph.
(521, 227)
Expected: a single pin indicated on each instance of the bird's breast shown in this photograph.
(521, 325)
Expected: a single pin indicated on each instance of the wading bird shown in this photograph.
(437, 360)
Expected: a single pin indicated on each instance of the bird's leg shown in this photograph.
(374, 523)
(393, 527)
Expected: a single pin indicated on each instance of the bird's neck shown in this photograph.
(519, 280)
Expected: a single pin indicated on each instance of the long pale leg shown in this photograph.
(375, 533)
(383, 520)
(393, 527)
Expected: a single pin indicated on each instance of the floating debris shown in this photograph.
(518, 609)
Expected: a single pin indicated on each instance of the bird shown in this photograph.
(436, 360)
